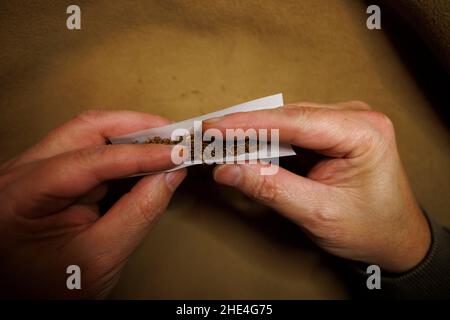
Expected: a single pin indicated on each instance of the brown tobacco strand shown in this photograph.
(226, 148)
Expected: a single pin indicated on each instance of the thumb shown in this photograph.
(124, 226)
(295, 197)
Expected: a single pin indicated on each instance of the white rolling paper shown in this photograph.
(269, 102)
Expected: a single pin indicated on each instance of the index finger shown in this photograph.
(336, 133)
(88, 129)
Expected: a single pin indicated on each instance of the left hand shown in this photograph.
(49, 217)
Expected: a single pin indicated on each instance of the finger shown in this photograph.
(336, 133)
(123, 227)
(90, 128)
(70, 220)
(94, 195)
(296, 197)
(55, 182)
(348, 105)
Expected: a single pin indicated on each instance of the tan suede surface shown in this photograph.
(179, 59)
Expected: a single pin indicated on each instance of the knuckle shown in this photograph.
(324, 221)
(142, 213)
(381, 123)
(147, 211)
(266, 189)
(296, 111)
(299, 114)
(88, 155)
(291, 110)
(326, 215)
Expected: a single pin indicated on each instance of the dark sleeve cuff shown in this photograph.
(428, 280)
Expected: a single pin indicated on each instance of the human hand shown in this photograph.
(49, 217)
(357, 203)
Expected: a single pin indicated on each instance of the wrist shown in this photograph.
(412, 246)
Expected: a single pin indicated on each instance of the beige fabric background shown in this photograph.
(179, 59)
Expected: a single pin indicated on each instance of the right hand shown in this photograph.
(357, 203)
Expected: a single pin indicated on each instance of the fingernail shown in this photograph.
(228, 175)
(174, 179)
(212, 120)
